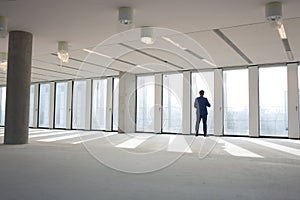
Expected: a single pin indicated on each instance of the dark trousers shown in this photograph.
(204, 119)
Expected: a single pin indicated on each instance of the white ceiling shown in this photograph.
(86, 24)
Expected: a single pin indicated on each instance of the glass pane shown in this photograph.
(2, 105)
(31, 105)
(236, 102)
(99, 104)
(115, 104)
(145, 104)
(273, 101)
(61, 95)
(79, 105)
(299, 91)
(44, 105)
(203, 81)
(172, 103)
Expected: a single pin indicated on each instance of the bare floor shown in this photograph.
(71, 165)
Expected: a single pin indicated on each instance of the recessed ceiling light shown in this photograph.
(97, 53)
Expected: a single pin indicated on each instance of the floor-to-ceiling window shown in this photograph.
(2, 105)
(203, 81)
(299, 91)
(145, 104)
(44, 105)
(172, 103)
(236, 102)
(115, 103)
(99, 93)
(273, 101)
(61, 95)
(79, 104)
(31, 105)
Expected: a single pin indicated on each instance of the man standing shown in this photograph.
(201, 112)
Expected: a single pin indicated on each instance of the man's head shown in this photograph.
(201, 92)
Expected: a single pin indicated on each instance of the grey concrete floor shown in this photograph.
(62, 171)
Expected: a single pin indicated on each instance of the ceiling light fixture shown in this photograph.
(274, 16)
(3, 27)
(174, 43)
(147, 35)
(125, 15)
(3, 61)
(63, 51)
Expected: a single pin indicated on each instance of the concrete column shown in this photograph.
(18, 87)
(293, 100)
(253, 102)
(127, 102)
(186, 103)
(218, 102)
(158, 103)
(108, 126)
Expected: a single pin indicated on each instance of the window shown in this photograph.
(236, 102)
(115, 103)
(61, 95)
(79, 105)
(172, 103)
(31, 105)
(203, 81)
(2, 105)
(145, 104)
(44, 105)
(99, 93)
(273, 101)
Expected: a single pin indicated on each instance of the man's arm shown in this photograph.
(195, 103)
(207, 103)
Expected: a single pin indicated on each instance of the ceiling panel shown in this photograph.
(260, 42)
(219, 52)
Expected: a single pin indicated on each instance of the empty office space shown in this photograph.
(103, 99)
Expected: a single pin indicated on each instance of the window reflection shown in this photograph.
(44, 105)
(115, 103)
(172, 103)
(2, 105)
(273, 101)
(79, 105)
(236, 102)
(99, 104)
(61, 104)
(145, 104)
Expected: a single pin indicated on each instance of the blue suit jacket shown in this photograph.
(201, 104)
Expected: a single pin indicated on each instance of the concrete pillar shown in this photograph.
(186, 103)
(18, 87)
(127, 102)
(218, 102)
(253, 102)
(293, 100)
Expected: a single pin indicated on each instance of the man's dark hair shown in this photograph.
(201, 92)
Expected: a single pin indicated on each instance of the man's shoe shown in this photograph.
(196, 135)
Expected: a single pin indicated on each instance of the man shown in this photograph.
(201, 104)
